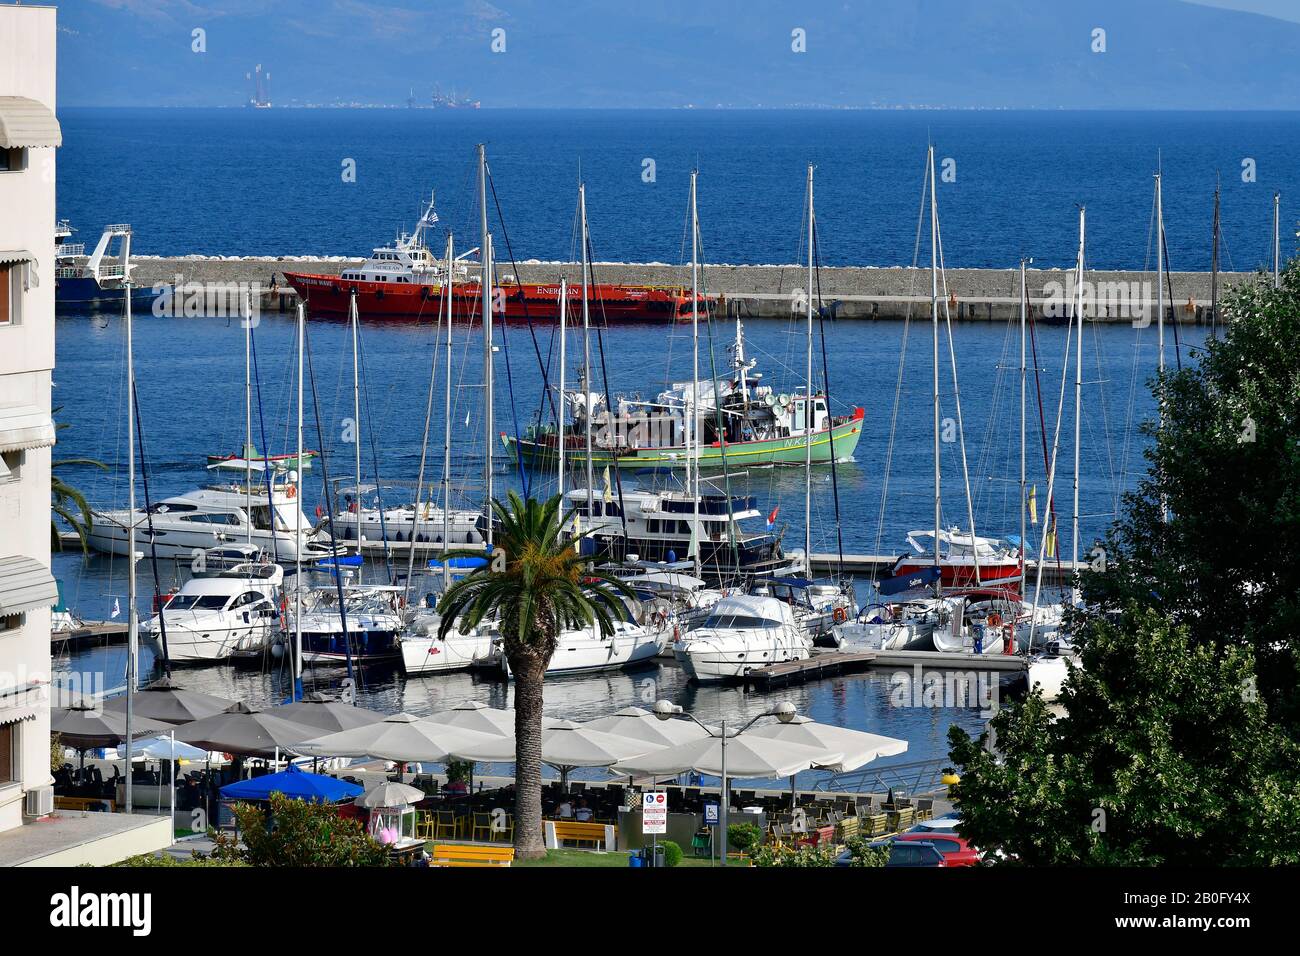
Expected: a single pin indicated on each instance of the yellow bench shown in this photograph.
(84, 803)
(565, 830)
(464, 854)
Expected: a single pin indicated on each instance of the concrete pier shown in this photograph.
(760, 291)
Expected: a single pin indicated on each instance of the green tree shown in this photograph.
(540, 587)
(1179, 739)
(66, 501)
(297, 833)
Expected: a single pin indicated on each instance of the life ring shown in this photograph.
(840, 615)
(291, 491)
(995, 620)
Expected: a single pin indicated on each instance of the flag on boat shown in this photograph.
(1051, 541)
(609, 493)
(117, 609)
(771, 519)
(1033, 505)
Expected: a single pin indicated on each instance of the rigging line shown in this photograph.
(902, 367)
(1049, 505)
(609, 404)
(335, 568)
(266, 449)
(424, 447)
(374, 457)
(153, 541)
(826, 387)
(1169, 283)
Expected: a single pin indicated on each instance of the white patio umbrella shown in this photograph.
(856, 747)
(389, 794)
(473, 715)
(407, 739)
(640, 724)
(163, 747)
(747, 756)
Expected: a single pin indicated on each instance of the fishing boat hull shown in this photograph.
(956, 575)
(839, 442)
(536, 302)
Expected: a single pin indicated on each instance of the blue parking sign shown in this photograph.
(711, 814)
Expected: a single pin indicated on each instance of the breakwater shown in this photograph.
(776, 291)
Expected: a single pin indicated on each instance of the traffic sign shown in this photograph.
(711, 814)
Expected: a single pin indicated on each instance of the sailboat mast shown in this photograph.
(1214, 265)
(297, 545)
(586, 344)
(1277, 241)
(485, 290)
(356, 412)
(692, 407)
(808, 402)
(446, 416)
(559, 425)
(1024, 308)
(1160, 281)
(248, 421)
(934, 318)
(1078, 385)
(132, 621)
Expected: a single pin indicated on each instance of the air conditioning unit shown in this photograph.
(40, 802)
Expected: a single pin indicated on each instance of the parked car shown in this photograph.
(914, 853)
(954, 850)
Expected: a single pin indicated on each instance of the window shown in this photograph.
(7, 309)
(197, 602)
(11, 465)
(13, 160)
(8, 750)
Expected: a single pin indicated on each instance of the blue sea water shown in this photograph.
(267, 182)
(242, 182)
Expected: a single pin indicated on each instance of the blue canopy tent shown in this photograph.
(294, 783)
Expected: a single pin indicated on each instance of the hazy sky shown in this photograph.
(1283, 9)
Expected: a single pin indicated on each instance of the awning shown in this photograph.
(10, 256)
(25, 584)
(25, 426)
(25, 122)
(14, 715)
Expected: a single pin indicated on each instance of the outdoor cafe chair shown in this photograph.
(446, 826)
(482, 825)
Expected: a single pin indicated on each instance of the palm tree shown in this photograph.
(536, 585)
(64, 498)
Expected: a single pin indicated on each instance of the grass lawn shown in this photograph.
(590, 858)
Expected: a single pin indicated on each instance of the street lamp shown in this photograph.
(667, 710)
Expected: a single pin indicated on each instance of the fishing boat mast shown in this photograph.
(808, 402)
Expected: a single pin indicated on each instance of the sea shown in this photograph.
(272, 182)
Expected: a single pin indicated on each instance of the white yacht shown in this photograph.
(585, 649)
(423, 652)
(892, 626)
(977, 623)
(218, 615)
(817, 608)
(210, 518)
(742, 633)
(1048, 669)
(399, 523)
(373, 618)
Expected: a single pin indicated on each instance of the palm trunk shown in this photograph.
(529, 671)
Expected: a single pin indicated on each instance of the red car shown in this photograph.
(956, 850)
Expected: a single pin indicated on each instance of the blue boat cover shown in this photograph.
(294, 783)
(908, 582)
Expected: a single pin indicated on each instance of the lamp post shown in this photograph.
(666, 710)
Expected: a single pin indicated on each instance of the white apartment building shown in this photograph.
(29, 135)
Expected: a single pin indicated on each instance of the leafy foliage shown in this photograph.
(672, 853)
(863, 854)
(742, 836)
(67, 502)
(535, 586)
(777, 854)
(297, 833)
(1181, 731)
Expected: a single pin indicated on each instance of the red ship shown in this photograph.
(406, 280)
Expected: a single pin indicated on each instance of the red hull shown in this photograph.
(953, 576)
(330, 295)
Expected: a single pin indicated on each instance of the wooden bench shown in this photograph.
(469, 854)
(569, 831)
(84, 803)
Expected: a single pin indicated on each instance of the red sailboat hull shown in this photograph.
(538, 302)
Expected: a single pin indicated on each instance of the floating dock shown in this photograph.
(90, 634)
(829, 663)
